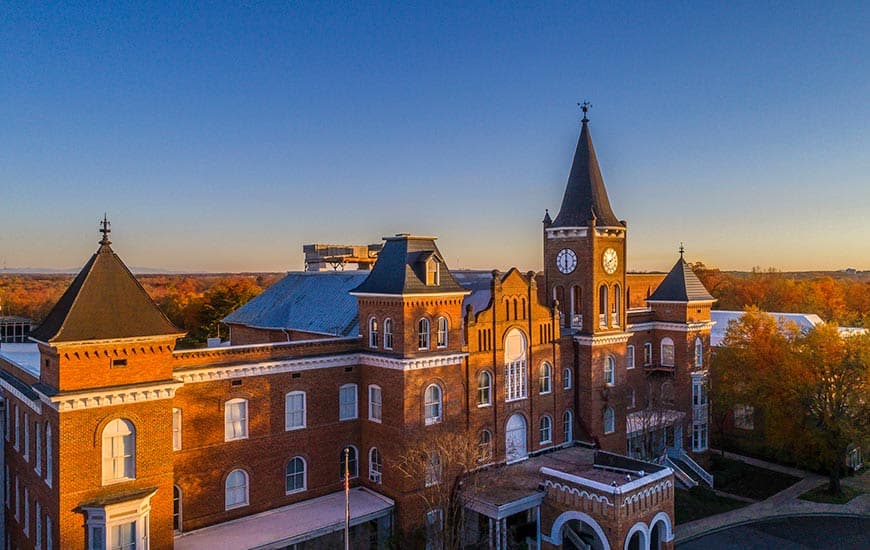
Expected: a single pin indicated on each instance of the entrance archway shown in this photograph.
(578, 531)
(515, 438)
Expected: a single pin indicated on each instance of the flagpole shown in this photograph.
(346, 498)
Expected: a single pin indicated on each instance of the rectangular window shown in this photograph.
(124, 536)
(119, 363)
(667, 354)
(37, 529)
(375, 403)
(629, 357)
(347, 402)
(699, 393)
(515, 380)
(16, 428)
(647, 354)
(699, 437)
(26, 437)
(37, 431)
(26, 512)
(176, 429)
(236, 420)
(294, 410)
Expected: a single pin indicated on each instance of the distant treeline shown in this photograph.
(197, 303)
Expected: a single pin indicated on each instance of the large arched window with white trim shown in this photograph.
(546, 430)
(484, 388)
(376, 467)
(443, 327)
(568, 426)
(667, 352)
(516, 370)
(609, 370)
(294, 475)
(566, 379)
(236, 490)
(119, 451)
(423, 334)
(433, 404)
(546, 378)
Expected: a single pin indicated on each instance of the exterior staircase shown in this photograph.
(688, 472)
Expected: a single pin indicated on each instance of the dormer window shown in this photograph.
(433, 271)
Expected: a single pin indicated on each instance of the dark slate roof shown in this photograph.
(309, 301)
(105, 301)
(680, 285)
(401, 268)
(480, 285)
(585, 194)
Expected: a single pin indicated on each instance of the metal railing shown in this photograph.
(685, 478)
(695, 467)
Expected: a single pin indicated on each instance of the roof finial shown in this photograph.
(585, 108)
(104, 229)
(682, 249)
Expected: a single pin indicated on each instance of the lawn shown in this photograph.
(739, 478)
(820, 494)
(699, 502)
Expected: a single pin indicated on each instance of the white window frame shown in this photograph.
(111, 436)
(546, 378)
(699, 352)
(376, 403)
(433, 409)
(647, 354)
(176, 429)
(668, 352)
(484, 392)
(388, 333)
(246, 486)
(629, 356)
(545, 430)
(632, 402)
(26, 438)
(49, 456)
(37, 443)
(699, 392)
(376, 466)
(609, 371)
(423, 333)
(304, 475)
(37, 528)
(49, 540)
(294, 418)
(516, 370)
(177, 502)
(101, 522)
(26, 522)
(17, 444)
(373, 332)
(567, 381)
(568, 426)
(442, 326)
(609, 420)
(236, 428)
(700, 436)
(348, 409)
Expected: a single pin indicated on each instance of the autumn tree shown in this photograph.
(811, 388)
(444, 462)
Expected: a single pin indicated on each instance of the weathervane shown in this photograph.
(104, 229)
(585, 108)
(682, 249)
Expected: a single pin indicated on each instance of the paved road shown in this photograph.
(842, 533)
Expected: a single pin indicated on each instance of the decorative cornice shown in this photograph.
(658, 487)
(601, 487)
(413, 363)
(35, 405)
(107, 397)
(603, 339)
(676, 327)
(411, 295)
(566, 232)
(112, 341)
(222, 372)
(578, 492)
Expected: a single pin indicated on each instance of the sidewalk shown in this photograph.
(784, 503)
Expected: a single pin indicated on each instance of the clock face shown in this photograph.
(566, 260)
(610, 260)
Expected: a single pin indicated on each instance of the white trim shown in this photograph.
(74, 401)
(226, 350)
(36, 406)
(669, 530)
(221, 372)
(411, 295)
(681, 301)
(556, 531)
(677, 327)
(604, 339)
(413, 363)
(618, 490)
(565, 232)
(114, 341)
(639, 526)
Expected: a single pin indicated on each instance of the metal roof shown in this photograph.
(401, 268)
(681, 285)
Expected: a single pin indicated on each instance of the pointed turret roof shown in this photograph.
(681, 285)
(585, 195)
(104, 302)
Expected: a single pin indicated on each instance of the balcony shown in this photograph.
(658, 367)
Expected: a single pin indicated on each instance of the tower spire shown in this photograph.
(105, 224)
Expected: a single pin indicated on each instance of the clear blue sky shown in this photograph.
(223, 138)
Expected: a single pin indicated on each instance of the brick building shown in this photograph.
(114, 439)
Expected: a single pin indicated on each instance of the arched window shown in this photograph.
(176, 509)
(423, 333)
(347, 409)
(667, 352)
(610, 370)
(568, 426)
(376, 468)
(576, 300)
(433, 404)
(559, 296)
(235, 419)
(176, 429)
(485, 446)
(236, 490)
(516, 371)
(441, 337)
(566, 379)
(351, 462)
(602, 306)
(609, 421)
(699, 353)
(388, 334)
(484, 388)
(546, 430)
(119, 451)
(294, 478)
(294, 410)
(614, 307)
(373, 332)
(546, 377)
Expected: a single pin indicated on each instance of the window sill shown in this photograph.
(348, 418)
(234, 506)
(484, 405)
(235, 438)
(378, 420)
(296, 491)
(545, 392)
(433, 421)
(294, 428)
(515, 399)
(107, 482)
